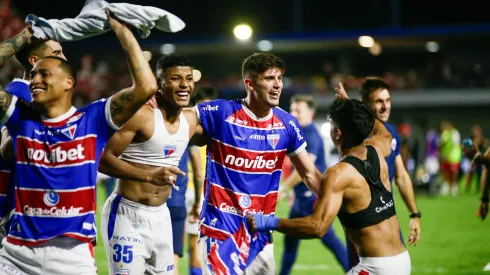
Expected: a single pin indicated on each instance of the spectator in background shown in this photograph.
(481, 144)
(450, 151)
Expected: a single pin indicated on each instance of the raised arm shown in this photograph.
(15, 44)
(316, 225)
(127, 102)
(198, 178)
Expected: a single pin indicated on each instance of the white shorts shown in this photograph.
(395, 265)
(264, 264)
(191, 228)
(62, 255)
(137, 238)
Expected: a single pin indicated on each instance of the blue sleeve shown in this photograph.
(396, 137)
(19, 88)
(315, 145)
(297, 140)
(206, 113)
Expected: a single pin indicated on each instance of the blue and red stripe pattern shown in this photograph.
(56, 168)
(244, 161)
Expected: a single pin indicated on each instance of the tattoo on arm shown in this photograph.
(119, 104)
(13, 45)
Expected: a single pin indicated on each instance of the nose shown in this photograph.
(35, 79)
(184, 83)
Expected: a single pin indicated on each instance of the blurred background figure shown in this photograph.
(450, 153)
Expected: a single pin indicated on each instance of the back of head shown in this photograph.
(258, 63)
(354, 119)
(371, 85)
(206, 93)
(36, 47)
(171, 60)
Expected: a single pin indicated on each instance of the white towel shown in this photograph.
(92, 20)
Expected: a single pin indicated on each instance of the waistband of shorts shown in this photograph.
(136, 205)
(383, 261)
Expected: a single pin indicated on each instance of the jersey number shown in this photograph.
(124, 252)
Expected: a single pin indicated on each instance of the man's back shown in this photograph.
(368, 211)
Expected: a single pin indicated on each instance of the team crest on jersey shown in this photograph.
(273, 139)
(120, 271)
(70, 131)
(169, 149)
(393, 144)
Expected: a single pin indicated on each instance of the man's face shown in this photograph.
(177, 85)
(381, 104)
(302, 113)
(49, 82)
(267, 86)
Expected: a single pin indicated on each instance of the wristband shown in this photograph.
(415, 215)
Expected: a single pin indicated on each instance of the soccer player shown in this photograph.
(28, 50)
(57, 154)
(358, 191)
(247, 140)
(303, 109)
(136, 222)
(376, 94)
(202, 94)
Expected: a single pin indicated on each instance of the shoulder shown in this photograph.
(339, 175)
(139, 119)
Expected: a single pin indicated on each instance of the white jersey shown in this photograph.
(162, 149)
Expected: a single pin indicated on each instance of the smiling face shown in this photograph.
(49, 81)
(380, 103)
(177, 85)
(266, 87)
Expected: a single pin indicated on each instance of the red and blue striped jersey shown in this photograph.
(56, 163)
(244, 161)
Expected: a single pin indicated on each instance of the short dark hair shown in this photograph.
(258, 63)
(354, 119)
(65, 66)
(308, 99)
(205, 92)
(171, 60)
(33, 48)
(371, 85)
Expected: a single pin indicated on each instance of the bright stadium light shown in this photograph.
(264, 45)
(366, 41)
(167, 49)
(432, 46)
(196, 74)
(242, 32)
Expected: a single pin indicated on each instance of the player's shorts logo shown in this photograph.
(245, 201)
(273, 140)
(51, 198)
(169, 149)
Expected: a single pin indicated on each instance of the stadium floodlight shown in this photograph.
(366, 41)
(242, 32)
(167, 49)
(432, 46)
(148, 55)
(264, 45)
(325, 130)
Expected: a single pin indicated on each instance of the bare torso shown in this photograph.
(379, 240)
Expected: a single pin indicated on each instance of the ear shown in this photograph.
(248, 84)
(33, 59)
(338, 135)
(69, 83)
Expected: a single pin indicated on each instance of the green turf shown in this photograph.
(453, 240)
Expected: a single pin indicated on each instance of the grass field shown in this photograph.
(453, 240)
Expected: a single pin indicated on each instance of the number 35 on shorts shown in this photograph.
(122, 252)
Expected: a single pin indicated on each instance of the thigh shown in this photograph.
(18, 260)
(264, 264)
(162, 253)
(68, 257)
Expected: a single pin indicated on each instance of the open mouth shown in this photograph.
(182, 94)
(274, 95)
(35, 91)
